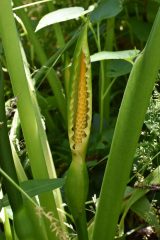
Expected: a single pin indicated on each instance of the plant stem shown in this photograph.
(101, 82)
(108, 47)
(109, 88)
(81, 227)
(7, 226)
(61, 44)
(57, 28)
(5, 150)
(19, 211)
(130, 120)
(33, 130)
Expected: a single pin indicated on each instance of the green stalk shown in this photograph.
(26, 215)
(19, 168)
(22, 176)
(77, 180)
(57, 28)
(39, 76)
(20, 215)
(101, 82)
(130, 120)
(104, 102)
(5, 150)
(109, 87)
(15, 128)
(7, 226)
(61, 44)
(53, 80)
(33, 130)
(107, 80)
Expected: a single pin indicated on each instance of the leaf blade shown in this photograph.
(106, 9)
(60, 15)
(127, 55)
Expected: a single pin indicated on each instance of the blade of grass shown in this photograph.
(130, 120)
(21, 173)
(53, 80)
(7, 226)
(43, 71)
(6, 151)
(33, 130)
(57, 28)
(15, 127)
(61, 44)
(20, 212)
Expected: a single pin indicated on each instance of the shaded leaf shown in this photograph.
(152, 8)
(141, 29)
(144, 209)
(35, 187)
(118, 68)
(152, 178)
(106, 9)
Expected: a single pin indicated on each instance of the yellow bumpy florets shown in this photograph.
(82, 104)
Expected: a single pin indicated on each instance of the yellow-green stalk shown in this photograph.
(79, 123)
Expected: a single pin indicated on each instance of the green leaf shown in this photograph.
(157, 1)
(118, 68)
(152, 178)
(41, 101)
(106, 9)
(152, 8)
(145, 210)
(62, 15)
(141, 29)
(127, 55)
(35, 187)
(2, 236)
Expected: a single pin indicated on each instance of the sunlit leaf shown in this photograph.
(62, 15)
(127, 55)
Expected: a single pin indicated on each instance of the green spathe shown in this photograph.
(76, 186)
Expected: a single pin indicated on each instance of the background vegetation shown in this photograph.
(114, 26)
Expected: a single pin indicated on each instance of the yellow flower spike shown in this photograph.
(79, 123)
(81, 115)
(80, 98)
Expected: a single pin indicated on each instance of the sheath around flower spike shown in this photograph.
(79, 123)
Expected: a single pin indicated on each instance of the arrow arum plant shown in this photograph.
(79, 123)
(51, 221)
